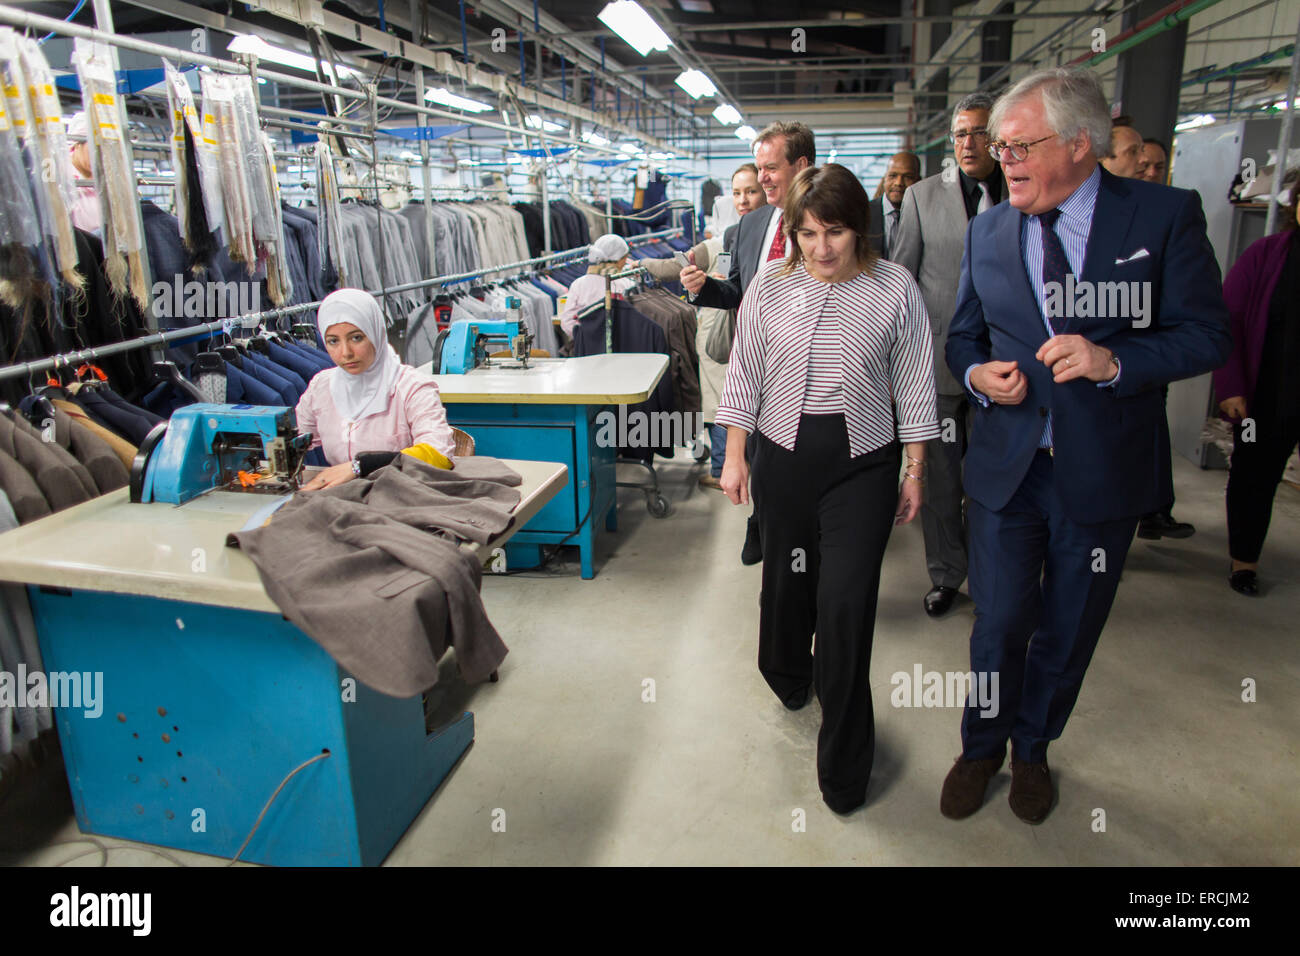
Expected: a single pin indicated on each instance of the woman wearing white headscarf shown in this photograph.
(371, 407)
(607, 255)
(85, 212)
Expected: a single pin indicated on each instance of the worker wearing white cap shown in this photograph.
(85, 211)
(607, 255)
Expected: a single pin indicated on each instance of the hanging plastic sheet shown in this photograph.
(21, 259)
(114, 175)
(198, 180)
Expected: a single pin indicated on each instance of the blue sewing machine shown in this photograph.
(464, 346)
(234, 447)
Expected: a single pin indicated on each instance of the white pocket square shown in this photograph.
(1140, 254)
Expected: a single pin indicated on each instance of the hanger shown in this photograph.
(168, 372)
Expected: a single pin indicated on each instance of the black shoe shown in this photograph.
(844, 805)
(1244, 582)
(752, 552)
(1156, 526)
(939, 601)
(799, 698)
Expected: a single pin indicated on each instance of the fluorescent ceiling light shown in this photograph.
(746, 133)
(595, 139)
(727, 115)
(630, 148)
(536, 122)
(251, 44)
(1204, 119)
(467, 162)
(695, 6)
(448, 98)
(634, 25)
(831, 158)
(696, 83)
(662, 157)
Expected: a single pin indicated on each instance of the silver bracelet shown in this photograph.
(356, 467)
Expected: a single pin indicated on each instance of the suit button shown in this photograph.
(1042, 412)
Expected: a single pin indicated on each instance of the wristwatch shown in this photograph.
(356, 467)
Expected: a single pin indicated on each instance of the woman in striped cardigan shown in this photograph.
(833, 367)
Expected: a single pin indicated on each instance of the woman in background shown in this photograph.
(607, 255)
(1260, 386)
(746, 196)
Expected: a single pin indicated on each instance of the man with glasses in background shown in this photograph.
(1070, 444)
(928, 243)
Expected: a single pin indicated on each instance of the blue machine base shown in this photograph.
(205, 710)
(561, 433)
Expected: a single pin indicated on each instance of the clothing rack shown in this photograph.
(207, 329)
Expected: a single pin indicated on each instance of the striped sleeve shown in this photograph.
(911, 368)
(739, 404)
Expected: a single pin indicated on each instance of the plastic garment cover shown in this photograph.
(198, 183)
(329, 231)
(118, 192)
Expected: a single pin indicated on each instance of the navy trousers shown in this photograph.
(1043, 586)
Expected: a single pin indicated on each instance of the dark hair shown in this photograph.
(1292, 198)
(1152, 141)
(799, 141)
(745, 168)
(835, 196)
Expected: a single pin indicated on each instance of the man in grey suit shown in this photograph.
(781, 152)
(929, 244)
(903, 172)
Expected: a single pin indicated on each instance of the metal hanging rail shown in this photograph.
(207, 329)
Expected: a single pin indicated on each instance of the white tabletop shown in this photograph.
(624, 378)
(179, 552)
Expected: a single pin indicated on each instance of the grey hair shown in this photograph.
(1072, 101)
(971, 101)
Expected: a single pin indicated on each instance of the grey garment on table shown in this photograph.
(943, 515)
(62, 479)
(929, 243)
(372, 569)
(105, 467)
(18, 645)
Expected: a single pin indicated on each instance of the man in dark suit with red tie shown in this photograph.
(1079, 299)
(781, 151)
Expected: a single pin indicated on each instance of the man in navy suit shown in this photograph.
(1079, 299)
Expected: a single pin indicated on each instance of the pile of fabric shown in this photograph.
(373, 569)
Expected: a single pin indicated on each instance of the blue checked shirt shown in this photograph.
(1072, 228)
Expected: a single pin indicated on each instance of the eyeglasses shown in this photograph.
(1019, 151)
(962, 135)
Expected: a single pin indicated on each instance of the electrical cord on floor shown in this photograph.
(547, 558)
(292, 773)
(100, 848)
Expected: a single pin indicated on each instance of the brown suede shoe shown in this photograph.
(1031, 791)
(963, 788)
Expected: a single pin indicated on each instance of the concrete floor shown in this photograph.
(715, 771)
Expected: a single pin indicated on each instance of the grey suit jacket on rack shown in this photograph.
(929, 242)
(748, 255)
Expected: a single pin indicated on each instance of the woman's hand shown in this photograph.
(330, 477)
(735, 478)
(1234, 407)
(909, 501)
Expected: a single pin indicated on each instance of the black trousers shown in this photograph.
(1257, 467)
(825, 522)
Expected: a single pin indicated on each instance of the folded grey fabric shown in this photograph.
(373, 570)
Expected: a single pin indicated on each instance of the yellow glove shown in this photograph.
(430, 456)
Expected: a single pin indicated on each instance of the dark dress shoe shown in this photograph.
(1031, 791)
(1244, 582)
(752, 552)
(798, 699)
(845, 805)
(963, 788)
(939, 601)
(1156, 526)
